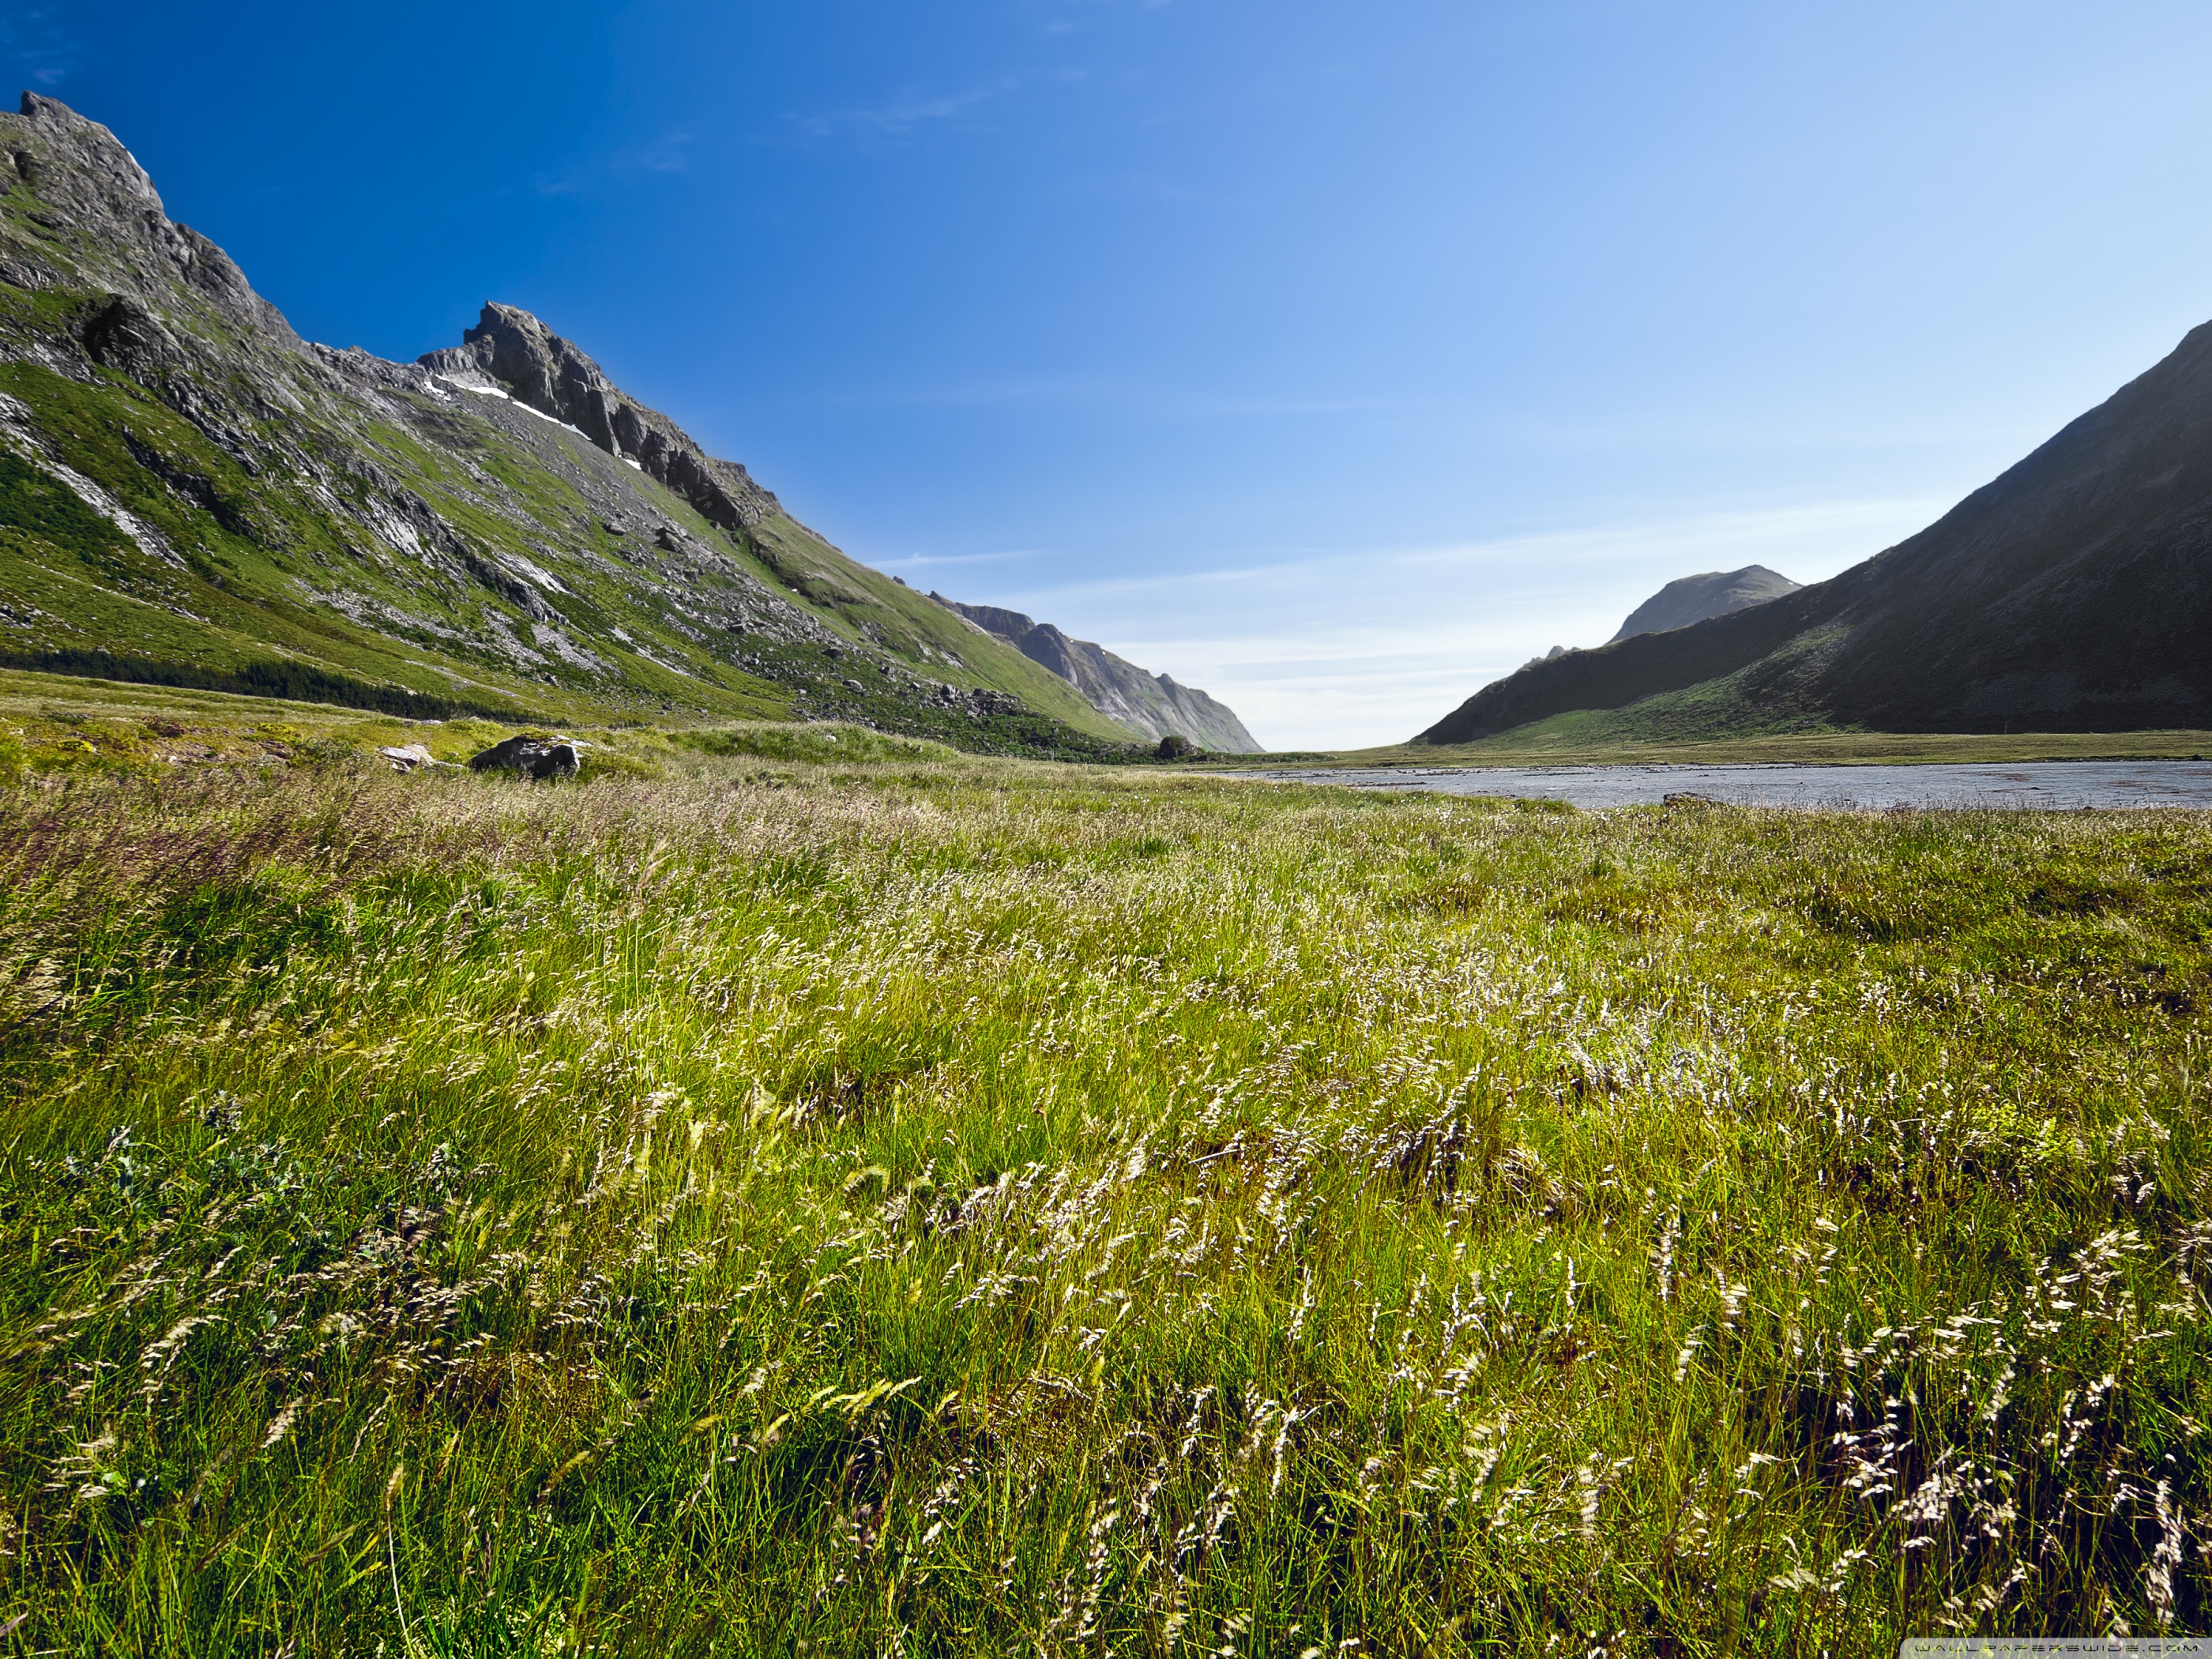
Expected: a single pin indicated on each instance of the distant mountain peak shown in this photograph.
(2071, 593)
(1694, 598)
(1153, 704)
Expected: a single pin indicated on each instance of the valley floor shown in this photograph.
(772, 1199)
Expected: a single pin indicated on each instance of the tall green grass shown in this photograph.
(930, 1208)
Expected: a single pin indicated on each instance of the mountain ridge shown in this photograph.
(191, 494)
(1155, 705)
(2072, 592)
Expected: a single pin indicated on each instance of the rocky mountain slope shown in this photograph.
(1153, 704)
(192, 495)
(2073, 593)
(1693, 598)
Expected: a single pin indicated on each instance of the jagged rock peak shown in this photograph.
(512, 351)
(994, 619)
(125, 242)
(124, 177)
(529, 360)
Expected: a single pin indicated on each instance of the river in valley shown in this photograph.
(2045, 785)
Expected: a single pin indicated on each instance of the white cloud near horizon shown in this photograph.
(1347, 651)
(917, 562)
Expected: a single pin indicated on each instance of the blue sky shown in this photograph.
(1334, 357)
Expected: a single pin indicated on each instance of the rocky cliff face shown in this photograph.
(94, 221)
(1153, 704)
(192, 495)
(511, 351)
(1694, 598)
(2073, 593)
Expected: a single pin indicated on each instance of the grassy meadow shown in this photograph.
(774, 1197)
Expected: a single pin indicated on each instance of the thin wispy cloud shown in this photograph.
(982, 393)
(920, 561)
(42, 49)
(896, 118)
(1066, 16)
(667, 153)
(1148, 187)
(1149, 399)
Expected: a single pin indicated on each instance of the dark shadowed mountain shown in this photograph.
(1693, 598)
(1150, 703)
(2072, 594)
(192, 495)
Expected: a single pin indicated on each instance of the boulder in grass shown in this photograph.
(537, 758)
(408, 758)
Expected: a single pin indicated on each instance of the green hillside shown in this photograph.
(190, 494)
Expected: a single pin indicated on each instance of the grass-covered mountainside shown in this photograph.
(799, 1189)
(191, 495)
(2072, 594)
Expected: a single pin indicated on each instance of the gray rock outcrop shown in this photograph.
(98, 204)
(537, 758)
(511, 352)
(1154, 704)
